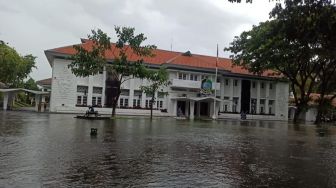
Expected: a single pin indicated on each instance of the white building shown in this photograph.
(262, 97)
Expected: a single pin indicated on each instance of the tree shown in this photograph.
(30, 84)
(297, 43)
(157, 79)
(121, 68)
(14, 68)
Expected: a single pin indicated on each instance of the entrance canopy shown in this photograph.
(21, 89)
(197, 99)
(9, 93)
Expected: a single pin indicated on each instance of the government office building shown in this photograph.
(237, 90)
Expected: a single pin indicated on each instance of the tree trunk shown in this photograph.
(320, 109)
(151, 108)
(297, 114)
(115, 102)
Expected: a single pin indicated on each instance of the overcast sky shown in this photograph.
(32, 26)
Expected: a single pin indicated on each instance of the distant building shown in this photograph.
(260, 96)
(44, 85)
(311, 112)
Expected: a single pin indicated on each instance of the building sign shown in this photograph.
(206, 87)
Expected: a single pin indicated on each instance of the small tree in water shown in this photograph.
(157, 79)
(121, 68)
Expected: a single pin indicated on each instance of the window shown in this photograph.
(270, 110)
(225, 108)
(227, 82)
(161, 95)
(79, 100)
(84, 100)
(253, 84)
(205, 77)
(161, 104)
(182, 76)
(193, 77)
(226, 98)
(94, 101)
(82, 95)
(125, 102)
(271, 86)
(261, 110)
(121, 102)
(138, 102)
(134, 102)
(235, 104)
(218, 79)
(99, 101)
(262, 85)
(235, 82)
(270, 102)
(262, 101)
(97, 90)
(124, 92)
(146, 104)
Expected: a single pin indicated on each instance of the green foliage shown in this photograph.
(88, 62)
(30, 84)
(13, 67)
(157, 80)
(298, 43)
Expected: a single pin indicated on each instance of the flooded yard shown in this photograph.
(56, 150)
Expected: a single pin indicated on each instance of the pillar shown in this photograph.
(258, 98)
(174, 107)
(232, 93)
(90, 91)
(5, 100)
(222, 84)
(38, 103)
(131, 93)
(192, 109)
(104, 87)
(267, 97)
(143, 100)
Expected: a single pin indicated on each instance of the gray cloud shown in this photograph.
(195, 25)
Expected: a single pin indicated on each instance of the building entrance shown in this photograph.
(245, 96)
(181, 108)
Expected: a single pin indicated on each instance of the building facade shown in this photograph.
(260, 96)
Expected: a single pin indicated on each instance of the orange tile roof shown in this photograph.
(44, 81)
(171, 57)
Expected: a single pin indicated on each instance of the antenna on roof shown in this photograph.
(171, 44)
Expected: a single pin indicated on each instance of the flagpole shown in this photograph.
(214, 116)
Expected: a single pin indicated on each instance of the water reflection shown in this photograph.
(55, 150)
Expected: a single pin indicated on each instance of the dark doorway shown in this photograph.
(204, 108)
(245, 96)
(182, 106)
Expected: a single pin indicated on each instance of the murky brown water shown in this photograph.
(55, 150)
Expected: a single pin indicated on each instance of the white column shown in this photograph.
(37, 103)
(239, 84)
(258, 98)
(267, 97)
(5, 100)
(104, 86)
(222, 84)
(174, 106)
(90, 90)
(131, 93)
(211, 111)
(192, 109)
(143, 100)
(156, 99)
(232, 94)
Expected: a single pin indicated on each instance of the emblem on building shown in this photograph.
(206, 87)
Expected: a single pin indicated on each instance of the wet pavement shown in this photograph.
(56, 150)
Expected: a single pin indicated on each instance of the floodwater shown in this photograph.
(56, 150)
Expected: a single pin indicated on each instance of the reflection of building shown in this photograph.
(237, 89)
